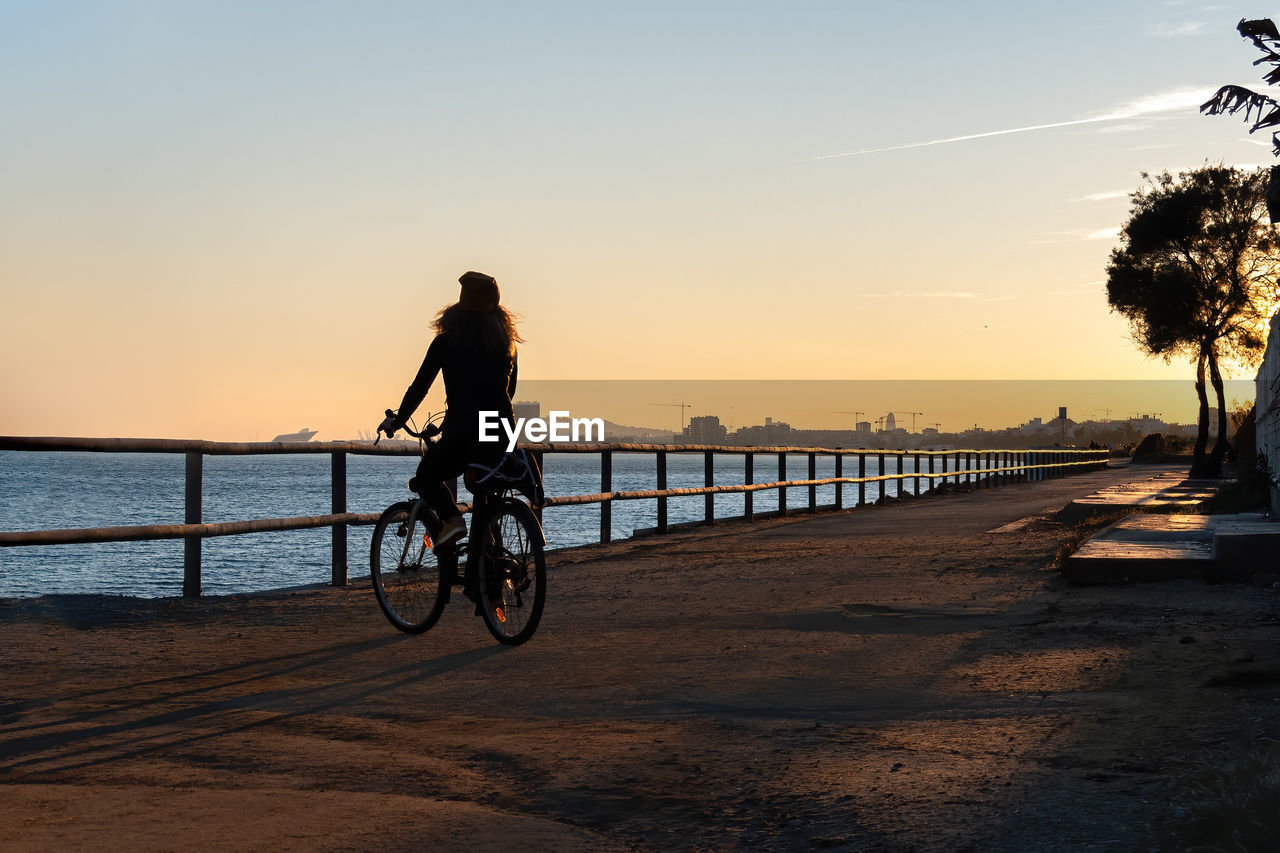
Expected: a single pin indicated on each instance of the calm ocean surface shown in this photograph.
(65, 490)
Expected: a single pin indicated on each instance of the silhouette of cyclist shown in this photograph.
(475, 349)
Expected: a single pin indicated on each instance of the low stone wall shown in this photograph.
(1268, 405)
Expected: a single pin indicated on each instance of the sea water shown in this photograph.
(54, 490)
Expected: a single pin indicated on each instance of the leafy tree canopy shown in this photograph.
(1196, 263)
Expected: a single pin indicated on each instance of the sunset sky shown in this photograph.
(227, 220)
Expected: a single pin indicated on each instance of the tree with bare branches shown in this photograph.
(1195, 267)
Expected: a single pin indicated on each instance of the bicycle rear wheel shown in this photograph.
(407, 577)
(513, 573)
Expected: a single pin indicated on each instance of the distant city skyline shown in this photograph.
(958, 405)
(227, 219)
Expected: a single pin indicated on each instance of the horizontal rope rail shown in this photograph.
(140, 532)
(365, 448)
(135, 533)
(694, 491)
(1002, 466)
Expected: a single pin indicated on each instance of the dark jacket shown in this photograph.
(475, 380)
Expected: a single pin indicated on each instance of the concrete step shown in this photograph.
(1159, 546)
(1122, 561)
(1164, 490)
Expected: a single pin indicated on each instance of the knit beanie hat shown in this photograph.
(479, 292)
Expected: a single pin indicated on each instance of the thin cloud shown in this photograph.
(1132, 127)
(950, 294)
(1160, 102)
(1104, 196)
(1174, 31)
(1073, 236)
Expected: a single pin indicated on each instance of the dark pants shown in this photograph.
(445, 460)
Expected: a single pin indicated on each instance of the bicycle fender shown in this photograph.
(519, 507)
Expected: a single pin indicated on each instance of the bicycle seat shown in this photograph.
(516, 470)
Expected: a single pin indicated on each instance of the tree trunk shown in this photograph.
(1220, 447)
(1199, 465)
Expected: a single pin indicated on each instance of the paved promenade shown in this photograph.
(908, 677)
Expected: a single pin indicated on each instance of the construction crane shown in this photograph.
(938, 427)
(682, 406)
(913, 417)
(847, 412)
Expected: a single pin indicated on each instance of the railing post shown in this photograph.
(749, 477)
(902, 472)
(915, 463)
(813, 475)
(606, 486)
(709, 480)
(191, 580)
(338, 484)
(538, 458)
(933, 484)
(944, 470)
(862, 475)
(880, 473)
(662, 484)
(839, 486)
(782, 478)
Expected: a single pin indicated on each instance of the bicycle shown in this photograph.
(505, 570)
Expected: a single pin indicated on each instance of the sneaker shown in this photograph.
(453, 530)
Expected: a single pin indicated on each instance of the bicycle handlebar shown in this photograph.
(429, 431)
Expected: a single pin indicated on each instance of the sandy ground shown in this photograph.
(909, 677)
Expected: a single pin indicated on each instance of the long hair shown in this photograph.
(493, 331)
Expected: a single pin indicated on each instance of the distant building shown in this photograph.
(890, 422)
(705, 429)
(772, 433)
(1147, 424)
(864, 427)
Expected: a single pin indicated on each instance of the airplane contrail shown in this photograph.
(1176, 100)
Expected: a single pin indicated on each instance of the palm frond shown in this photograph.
(1261, 110)
(1259, 32)
(1232, 99)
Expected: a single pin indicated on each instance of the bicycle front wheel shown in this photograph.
(406, 575)
(513, 573)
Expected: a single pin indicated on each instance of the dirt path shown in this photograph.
(897, 678)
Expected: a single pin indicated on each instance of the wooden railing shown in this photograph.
(938, 468)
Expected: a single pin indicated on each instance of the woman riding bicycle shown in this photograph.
(475, 347)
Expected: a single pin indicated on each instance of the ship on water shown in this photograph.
(303, 434)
